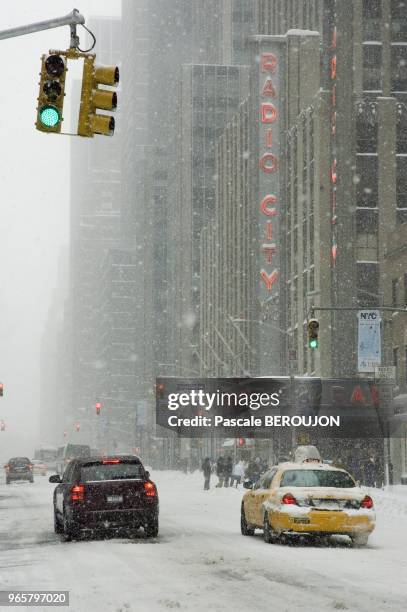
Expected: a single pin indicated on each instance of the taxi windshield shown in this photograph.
(316, 478)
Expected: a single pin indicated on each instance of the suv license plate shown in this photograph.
(115, 499)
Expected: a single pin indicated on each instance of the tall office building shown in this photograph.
(341, 171)
(209, 97)
(95, 228)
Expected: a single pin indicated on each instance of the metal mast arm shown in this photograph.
(72, 19)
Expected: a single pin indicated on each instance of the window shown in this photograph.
(394, 300)
(316, 478)
(401, 182)
(367, 181)
(114, 471)
(401, 132)
(366, 133)
(367, 283)
(396, 359)
(372, 12)
(372, 65)
(366, 221)
(267, 478)
(399, 20)
(399, 68)
(367, 246)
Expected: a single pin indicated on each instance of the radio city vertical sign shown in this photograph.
(270, 129)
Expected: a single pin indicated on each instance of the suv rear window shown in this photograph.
(316, 478)
(19, 461)
(111, 471)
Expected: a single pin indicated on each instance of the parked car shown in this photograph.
(112, 493)
(39, 467)
(307, 498)
(68, 452)
(19, 468)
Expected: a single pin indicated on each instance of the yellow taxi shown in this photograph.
(307, 498)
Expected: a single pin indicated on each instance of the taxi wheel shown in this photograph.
(360, 540)
(268, 533)
(244, 528)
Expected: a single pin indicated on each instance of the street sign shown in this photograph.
(369, 341)
(385, 372)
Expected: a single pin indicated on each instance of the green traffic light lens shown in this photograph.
(313, 344)
(49, 116)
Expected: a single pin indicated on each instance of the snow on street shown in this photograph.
(200, 561)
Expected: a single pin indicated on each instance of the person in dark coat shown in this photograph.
(207, 471)
(220, 471)
(253, 471)
(228, 470)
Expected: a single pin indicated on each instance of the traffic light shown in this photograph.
(1, 389)
(93, 98)
(2, 426)
(77, 426)
(159, 389)
(313, 330)
(98, 407)
(52, 92)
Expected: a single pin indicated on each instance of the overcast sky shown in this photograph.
(34, 222)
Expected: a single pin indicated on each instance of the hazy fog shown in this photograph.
(34, 188)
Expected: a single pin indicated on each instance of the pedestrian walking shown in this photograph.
(253, 471)
(207, 471)
(220, 471)
(237, 474)
(228, 470)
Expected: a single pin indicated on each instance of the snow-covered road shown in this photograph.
(200, 561)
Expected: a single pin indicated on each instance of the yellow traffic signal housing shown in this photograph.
(51, 94)
(93, 98)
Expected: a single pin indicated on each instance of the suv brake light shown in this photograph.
(30, 467)
(367, 502)
(149, 489)
(78, 493)
(288, 498)
(110, 461)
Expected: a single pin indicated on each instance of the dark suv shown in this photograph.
(19, 468)
(105, 493)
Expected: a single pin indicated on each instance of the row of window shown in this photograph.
(399, 291)
(367, 132)
(372, 68)
(367, 181)
(396, 363)
(373, 18)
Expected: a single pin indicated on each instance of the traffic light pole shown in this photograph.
(72, 19)
(384, 308)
